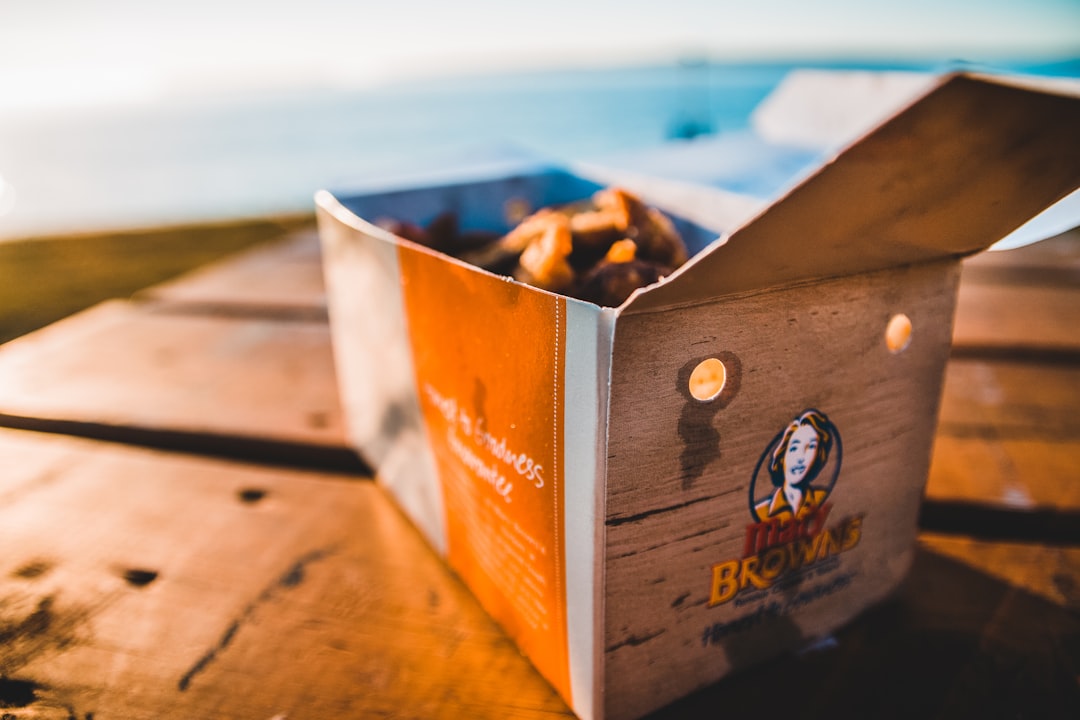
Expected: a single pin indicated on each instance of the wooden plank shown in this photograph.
(1008, 431)
(122, 366)
(139, 584)
(1026, 474)
(1008, 436)
(24, 465)
(1054, 261)
(1030, 319)
(1024, 301)
(1049, 572)
(953, 643)
(285, 278)
(1010, 400)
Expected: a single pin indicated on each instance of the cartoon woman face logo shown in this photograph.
(800, 454)
(795, 459)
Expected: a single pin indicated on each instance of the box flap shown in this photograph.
(954, 172)
(819, 109)
(1062, 216)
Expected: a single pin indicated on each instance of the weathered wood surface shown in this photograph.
(1047, 571)
(1054, 261)
(1018, 318)
(138, 584)
(284, 278)
(1023, 302)
(1009, 433)
(1009, 430)
(139, 373)
(269, 592)
(952, 643)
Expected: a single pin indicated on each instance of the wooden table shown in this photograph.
(185, 533)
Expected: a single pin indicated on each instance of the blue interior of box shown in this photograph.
(480, 204)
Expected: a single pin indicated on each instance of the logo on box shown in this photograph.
(790, 539)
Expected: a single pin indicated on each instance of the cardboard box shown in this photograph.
(639, 542)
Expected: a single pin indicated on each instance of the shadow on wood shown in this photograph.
(953, 643)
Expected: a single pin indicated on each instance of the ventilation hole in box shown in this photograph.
(708, 379)
(139, 577)
(898, 333)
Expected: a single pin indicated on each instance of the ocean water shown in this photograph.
(244, 156)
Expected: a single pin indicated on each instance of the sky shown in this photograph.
(64, 53)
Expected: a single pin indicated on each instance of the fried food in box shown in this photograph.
(599, 250)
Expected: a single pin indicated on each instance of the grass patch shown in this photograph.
(45, 279)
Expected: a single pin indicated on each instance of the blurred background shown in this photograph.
(126, 113)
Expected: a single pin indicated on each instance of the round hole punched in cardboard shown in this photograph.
(708, 379)
(898, 333)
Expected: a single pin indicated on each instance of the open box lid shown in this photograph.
(955, 171)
